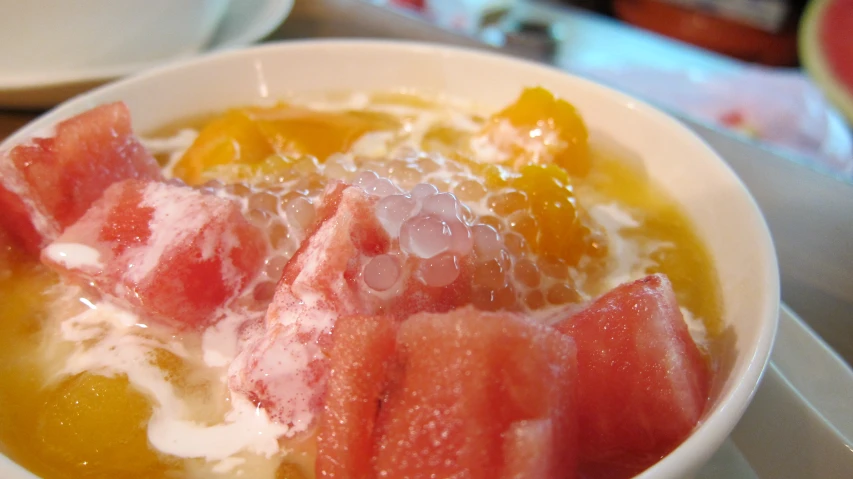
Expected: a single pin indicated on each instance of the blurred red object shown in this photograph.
(419, 5)
(720, 33)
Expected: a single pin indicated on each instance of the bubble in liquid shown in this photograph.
(425, 236)
(422, 190)
(392, 211)
(440, 270)
(382, 272)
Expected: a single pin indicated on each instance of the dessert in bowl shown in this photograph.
(374, 259)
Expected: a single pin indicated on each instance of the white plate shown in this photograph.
(245, 22)
(800, 423)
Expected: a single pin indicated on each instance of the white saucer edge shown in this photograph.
(800, 423)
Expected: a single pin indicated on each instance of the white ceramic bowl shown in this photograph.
(723, 211)
(41, 36)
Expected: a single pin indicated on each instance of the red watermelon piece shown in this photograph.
(467, 380)
(826, 50)
(322, 282)
(360, 357)
(529, 450)
(642, 381)
(169, 253)
(47, 184)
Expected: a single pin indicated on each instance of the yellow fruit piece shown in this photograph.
(96, 426)
(561, 234)
(248, 136)
(541, 129)
(233, 137)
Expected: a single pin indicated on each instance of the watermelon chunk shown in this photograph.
(826, 50)
(47, 184)
(323, 281)
(529, 450)
(170, 253)
(467, 382)
(360, 357)
(643, 383)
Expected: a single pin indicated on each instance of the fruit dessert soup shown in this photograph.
(363, 286)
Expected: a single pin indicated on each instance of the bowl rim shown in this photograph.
(694, 451)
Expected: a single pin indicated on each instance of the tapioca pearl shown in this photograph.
(440, 270)
(487, 242)
(466, 214)
(392, 211)
(492, 221)
(469, 190)
(306, 164)
(364, 178)
(489, 275)
(403, 173)
(259, 218)
(279, 235)
(503, 204)
(382, 187)
(562, 293)
(461, 240)
(300, 212)
(553, 267)
(264, 291)
(526, 272)
(524, 224)
(381, 272)
(516, 245)
(442, 184)
(442, 204)
(263, 201)
(487, 299)
(310, 184)
(339, 167)
(428, 165)
(535, 300)
(275, 266)
(212, 187)
(425, 236)
(423, 190)
(238, 189)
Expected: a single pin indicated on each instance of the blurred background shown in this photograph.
(737, 64)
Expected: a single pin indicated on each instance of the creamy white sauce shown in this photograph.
(74, 255)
